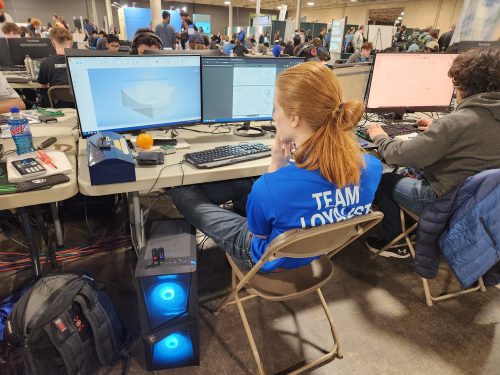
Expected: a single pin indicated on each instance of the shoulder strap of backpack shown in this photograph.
(66, 340)
(104, 338)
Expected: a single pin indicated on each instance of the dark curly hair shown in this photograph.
(476, 71)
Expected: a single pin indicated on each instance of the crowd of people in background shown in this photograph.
(302, 43)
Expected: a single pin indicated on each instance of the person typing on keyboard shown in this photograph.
(449, 150)
(329, 180)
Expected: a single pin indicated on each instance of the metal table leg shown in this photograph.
(136, 220)
(57, 224)
(33, 248)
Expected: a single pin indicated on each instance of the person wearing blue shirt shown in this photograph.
(276, 50)
(329, 178)
(228, 48)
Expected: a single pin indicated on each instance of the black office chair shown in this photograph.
(61, 96)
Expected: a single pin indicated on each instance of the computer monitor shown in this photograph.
(410, 82)
(467, 45)
(202, 52)
(122, 93)
(36, 48)
(5, 59)
(240, 89)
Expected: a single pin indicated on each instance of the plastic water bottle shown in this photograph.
(20, 131)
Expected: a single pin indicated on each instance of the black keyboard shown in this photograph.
(392, 129)
(226, 155)
(18, 79)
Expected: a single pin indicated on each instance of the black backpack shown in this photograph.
(61, 325)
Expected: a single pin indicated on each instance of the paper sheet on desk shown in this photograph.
(58, 157)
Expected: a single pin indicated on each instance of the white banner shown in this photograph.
(283, 10)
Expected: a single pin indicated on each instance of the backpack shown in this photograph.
(63, 325)
(349, 48)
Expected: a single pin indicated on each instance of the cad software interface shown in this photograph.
(132, 92)
(411, 80)
(239, 89)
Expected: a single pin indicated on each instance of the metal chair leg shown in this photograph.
(248, 332)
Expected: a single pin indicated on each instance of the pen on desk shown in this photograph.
(46, 159)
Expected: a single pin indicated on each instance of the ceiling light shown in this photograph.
(184, 9)
(400, 18)
(310, 3)
(402, 13)
(227, 2)
(352, 1)
(278, 7)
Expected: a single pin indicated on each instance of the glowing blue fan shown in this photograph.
(166, 297)
(173, 350)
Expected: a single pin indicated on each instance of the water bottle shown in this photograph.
(20, 131)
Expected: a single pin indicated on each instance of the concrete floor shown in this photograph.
(383, 324)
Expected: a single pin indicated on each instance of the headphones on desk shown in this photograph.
(142, 34)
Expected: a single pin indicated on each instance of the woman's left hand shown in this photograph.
(280, 153)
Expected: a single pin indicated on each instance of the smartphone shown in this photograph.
(47, 119)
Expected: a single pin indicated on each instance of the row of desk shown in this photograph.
(170, 174)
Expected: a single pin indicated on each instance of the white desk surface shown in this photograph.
(172, 176)
(66, 125)
(26, 85)
(55, 193)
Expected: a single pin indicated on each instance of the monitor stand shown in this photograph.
(248, 131)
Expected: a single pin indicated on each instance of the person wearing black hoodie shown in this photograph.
(449, 150)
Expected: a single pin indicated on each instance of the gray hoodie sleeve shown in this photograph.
(418, 152)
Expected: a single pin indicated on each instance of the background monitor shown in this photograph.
(36, 48)
(202, 52)
(240, 89)
(5, 59)
(121, 93)
(467, 45)
(337, 35)
(410, 81)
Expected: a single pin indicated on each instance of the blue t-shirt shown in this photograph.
(292, 197)
(227, 49)
(276, 50)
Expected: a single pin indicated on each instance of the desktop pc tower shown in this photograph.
(166, 285)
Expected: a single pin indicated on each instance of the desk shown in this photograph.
(26, 85)
(31, 198)
(173, 176)
(66, 125)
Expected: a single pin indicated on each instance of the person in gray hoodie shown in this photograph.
(449, 150)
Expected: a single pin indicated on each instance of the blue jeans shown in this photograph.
(200, 205)
(394, 191)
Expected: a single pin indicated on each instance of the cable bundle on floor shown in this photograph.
(10, 261)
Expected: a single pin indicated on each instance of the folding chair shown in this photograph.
(323, 241)
(429, 298)
(60, 93)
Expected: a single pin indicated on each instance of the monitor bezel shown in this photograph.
(406, 108)
(234, 120)
(16, 49)
(173, 125)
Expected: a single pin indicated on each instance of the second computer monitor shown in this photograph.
(5, 60)
(240, 89)
(410, 82)
(36, 48)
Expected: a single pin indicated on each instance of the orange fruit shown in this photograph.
(144, 140)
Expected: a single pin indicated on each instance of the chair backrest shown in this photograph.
(60, 92)
(325, 239)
